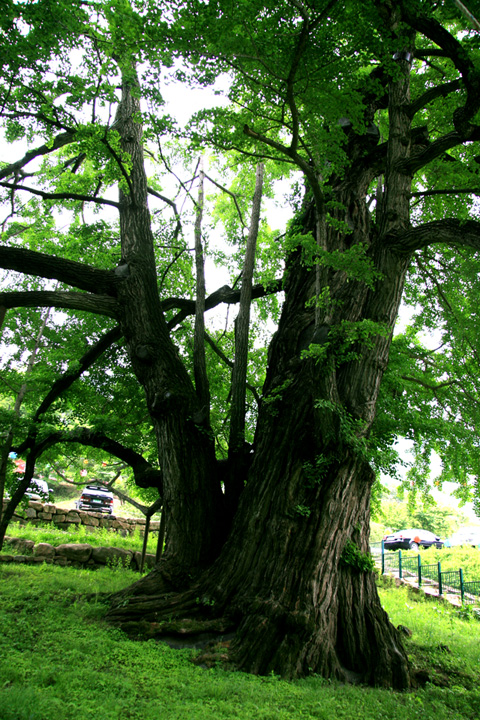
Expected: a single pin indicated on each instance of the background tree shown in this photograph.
(398, 513)
(372, 103)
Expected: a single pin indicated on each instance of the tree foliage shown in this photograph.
(111, 217)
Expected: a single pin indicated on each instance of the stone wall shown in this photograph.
(38, 513)
(78, 555)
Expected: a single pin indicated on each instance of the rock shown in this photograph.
(59, 518)
(112, 556)
(44, 550)
(149, 560)
(76, 553)
(47, 507)
(31, 512)
(33, 560)
(21, 544)
(45, 516)
(35, 505)
(7, 558)
(73, 517)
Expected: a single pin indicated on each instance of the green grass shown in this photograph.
(98, 537)
(60, 661)
(464, 556)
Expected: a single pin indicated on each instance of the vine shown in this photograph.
(356, 559)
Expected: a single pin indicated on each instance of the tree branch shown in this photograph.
(60, 196)
(242, 326)
(454, 50)
(145, 475)
(99, 305)
(433, 30)
(202, 387)
(165, 199)
(225, 295)
(435, 149)
(232, 195)
(459, 191)
(433, 94)
(290, 93)
(449, 232)
(69, 377)
(59, 141)
(79, 275)
(229, 364)
(430, 386)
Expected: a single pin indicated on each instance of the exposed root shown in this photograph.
(166, 578)
(352, 640)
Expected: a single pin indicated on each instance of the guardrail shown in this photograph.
(450, 582)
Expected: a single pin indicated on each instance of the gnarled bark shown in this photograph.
(279, 590)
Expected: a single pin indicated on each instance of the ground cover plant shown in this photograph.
(100, 537)
(60, 661)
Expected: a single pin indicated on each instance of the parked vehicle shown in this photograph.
(464, 536)
(411, 540)
(38, 490)
(96, 498)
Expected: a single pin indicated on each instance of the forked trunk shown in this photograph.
(291, 588)
(284, 589)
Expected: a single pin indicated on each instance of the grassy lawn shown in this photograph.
(97, 537)
(59, 660)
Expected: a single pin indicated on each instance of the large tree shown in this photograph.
(375, 104)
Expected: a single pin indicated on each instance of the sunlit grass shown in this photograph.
(60, 661)
(96, 537)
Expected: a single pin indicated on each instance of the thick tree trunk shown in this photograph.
(283, 590)
(280, 584)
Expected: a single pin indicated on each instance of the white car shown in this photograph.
(38, 490)
(464, 536)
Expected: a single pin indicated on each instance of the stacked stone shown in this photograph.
(78, 555)
(38, 513)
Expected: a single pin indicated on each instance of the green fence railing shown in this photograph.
(472, 592)
(450, 582)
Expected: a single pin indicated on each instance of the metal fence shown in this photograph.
(450, 582)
